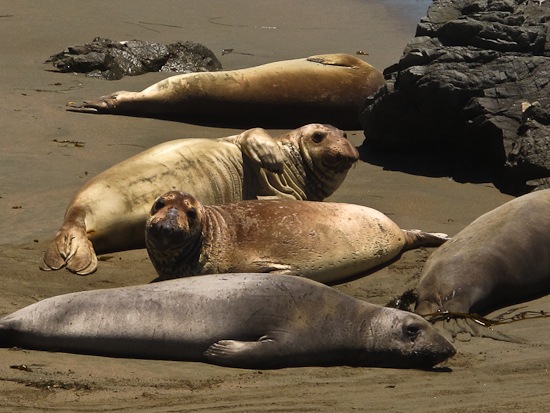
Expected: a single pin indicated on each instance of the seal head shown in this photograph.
(174, 230)
(318, 158)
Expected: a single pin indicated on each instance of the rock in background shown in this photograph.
(112, 60)
(472, 89)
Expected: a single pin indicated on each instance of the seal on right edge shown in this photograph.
(501, 258)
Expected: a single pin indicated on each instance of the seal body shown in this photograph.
(237, 320)
(323, 241)
(499, 259)
(109, 212)
(325, 88)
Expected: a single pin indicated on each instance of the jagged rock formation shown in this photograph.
(108, 59)
(473, 88)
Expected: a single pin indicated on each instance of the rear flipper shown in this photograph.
(263, 353)
(463, 329)
(415, 238)
(72, 249)
(105, 104)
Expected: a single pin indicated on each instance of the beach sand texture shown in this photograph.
(48, 153)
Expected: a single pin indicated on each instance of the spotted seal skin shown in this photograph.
(234, 320)
(109, 212)
(324, 241)
(499, 259)
(327, 88)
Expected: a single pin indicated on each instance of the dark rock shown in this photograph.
(465, 90)
(108, 59)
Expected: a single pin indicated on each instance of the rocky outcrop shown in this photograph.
(472, 88)
(108, 59)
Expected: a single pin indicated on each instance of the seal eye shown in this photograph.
(318, 137)
(159, 203)
(191, 213)
(412, 331)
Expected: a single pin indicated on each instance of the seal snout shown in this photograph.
(341, 156)
(431, 347)
(173, 217)
(427, 347)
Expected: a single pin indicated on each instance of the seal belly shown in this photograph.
(325, 242)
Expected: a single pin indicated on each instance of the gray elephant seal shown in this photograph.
(325, 88)
(235, 320)
(499, 259)
(109, 212)
(324, 241)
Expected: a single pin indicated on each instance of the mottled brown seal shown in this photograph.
(327, 88)
(501, 258)
(324, 241)
(109, 212)
(235, 320)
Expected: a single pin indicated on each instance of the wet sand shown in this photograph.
(41, 167)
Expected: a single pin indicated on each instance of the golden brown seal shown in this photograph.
(327, 88)
(324, 241)
(109, 212)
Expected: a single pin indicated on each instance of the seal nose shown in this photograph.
(428, 346)
(342, 156)
(165, 228)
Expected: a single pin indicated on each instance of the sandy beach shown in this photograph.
(48, 153)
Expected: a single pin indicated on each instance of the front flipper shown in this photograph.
(260, 147)
(72, 249)
(263, 353)
(338, 59)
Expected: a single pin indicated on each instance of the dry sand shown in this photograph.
(41, 168)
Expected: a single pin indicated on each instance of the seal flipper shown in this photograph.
(104, 104)
(415, 238)
(457, 328)
(71, 247)
(72, 250)
(263, 353)
(274, 268)
(261, 148)
(338, 59)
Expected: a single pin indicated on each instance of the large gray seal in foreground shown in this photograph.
(109, 212)
(235, 320)
(501, 258)
(324, 241)
(328, 88)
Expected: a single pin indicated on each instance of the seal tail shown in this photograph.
(415, 238)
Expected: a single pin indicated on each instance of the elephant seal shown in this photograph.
(324, 241)
(500, 259)
(327, 88)
(109, 212)
(234, 320)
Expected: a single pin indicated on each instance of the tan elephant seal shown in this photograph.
(109, 212)
(235, 320)
(326, 89)
(324, 241)
(500, 259)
